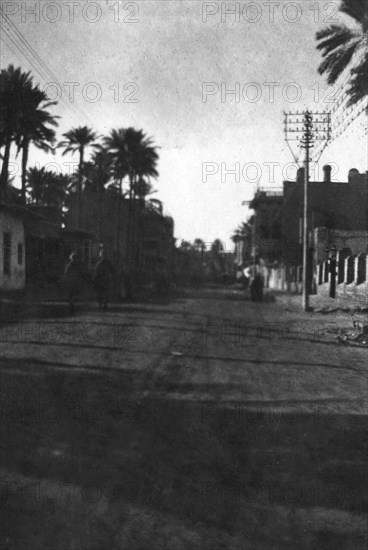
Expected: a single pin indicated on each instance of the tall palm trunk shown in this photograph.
(135, 214)
(100, 200)
(80, 185)
(117, 239)
(130, 210)
(140, 210)
(25, 149)
(5, 169)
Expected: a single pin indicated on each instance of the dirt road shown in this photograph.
(206, 422)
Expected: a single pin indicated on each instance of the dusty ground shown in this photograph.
(206, 422)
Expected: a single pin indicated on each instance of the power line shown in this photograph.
(24, 53)
(344, 119)
(38, 65)
(28, 47)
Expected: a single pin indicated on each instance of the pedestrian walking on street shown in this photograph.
(257, 284)
(103, 281)
(332, 269)
(75, 278)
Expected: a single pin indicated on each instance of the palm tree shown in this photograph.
(344, 47)
(98, 174)
(37, 179)
(217, 258)
(143, 188)
(199, 245)
(134, 156)
(146, 159)
(244, 234)
(185, 246)
(34, 124)
(217, 247)
(142, 159)
(15, 86)
(77, 139)
(46, 188)
(115, 144)
(56, 190)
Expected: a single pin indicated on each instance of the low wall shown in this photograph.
(350, 275)
(353, 240)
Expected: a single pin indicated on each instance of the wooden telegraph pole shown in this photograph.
(306, 128)
(306, 143)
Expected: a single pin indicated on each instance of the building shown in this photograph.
(267, 224)
(157, 236)
(12, 250)
(350, 242)
(35, 251)
(337, 218)
(331, 205)
(145, 244)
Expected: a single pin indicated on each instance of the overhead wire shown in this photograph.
(341, 115)
(37, 64)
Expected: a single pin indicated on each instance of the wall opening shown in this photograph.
(6, 253)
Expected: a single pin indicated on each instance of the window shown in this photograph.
(6, 253)
(20, 253)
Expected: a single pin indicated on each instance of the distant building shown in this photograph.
(267, 224)
(105, 217)
(157, 237)
(148, 241)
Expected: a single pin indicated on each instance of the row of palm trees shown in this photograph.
(24, 119)
(124, 154)
(47, 188)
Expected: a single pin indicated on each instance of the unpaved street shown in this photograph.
(202, 422)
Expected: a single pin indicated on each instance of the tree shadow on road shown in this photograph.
(153, 472)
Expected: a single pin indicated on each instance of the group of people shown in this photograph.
(77, 277)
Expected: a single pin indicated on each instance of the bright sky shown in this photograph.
(173, 58)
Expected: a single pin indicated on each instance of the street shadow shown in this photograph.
(216, 467)
(12, 312)
(19, 311)
(115, 335)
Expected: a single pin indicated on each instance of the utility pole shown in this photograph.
(307, 144)
(310, 127)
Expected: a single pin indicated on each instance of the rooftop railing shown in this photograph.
(271, 191)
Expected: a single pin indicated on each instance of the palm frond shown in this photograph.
(337, 61)
(358, 88)
(357, 9)
(333, 37)
(340, 46)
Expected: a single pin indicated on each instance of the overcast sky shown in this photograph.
(160, 66)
